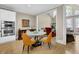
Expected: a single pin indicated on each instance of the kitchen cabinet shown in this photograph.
(10, 16)
(70, 38)
(7, 15)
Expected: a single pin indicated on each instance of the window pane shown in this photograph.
(76, 24)
(69, 23)
(54, 13)
(69, 11)
(76, 12)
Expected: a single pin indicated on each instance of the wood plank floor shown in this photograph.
(15, 47)
(72, 48)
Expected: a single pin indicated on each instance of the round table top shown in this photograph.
(36, 33)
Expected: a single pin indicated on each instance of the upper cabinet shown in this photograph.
(7, 15)
(7, 26)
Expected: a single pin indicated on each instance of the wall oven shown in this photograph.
(8, 32)
(8, 28)
(8, 24)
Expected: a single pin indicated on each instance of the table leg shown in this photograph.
(36, 38)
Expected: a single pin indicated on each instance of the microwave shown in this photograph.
(8, 24)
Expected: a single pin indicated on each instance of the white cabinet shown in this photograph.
(7, 39)
(6, 15)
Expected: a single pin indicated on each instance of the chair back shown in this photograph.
(26, 39)
(48, 30)
(49, 37)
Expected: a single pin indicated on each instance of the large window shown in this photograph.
(76, 24)
(76, 12)
(69, 11)
(72, 18)
(52, 14)
(69, 24)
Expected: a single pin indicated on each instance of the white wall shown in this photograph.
(44, 21)
(60, 25)
(20, 16)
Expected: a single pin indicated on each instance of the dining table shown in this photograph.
(36, 34)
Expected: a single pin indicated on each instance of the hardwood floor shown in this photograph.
(16, 47)
(11, 47)
(72, 48)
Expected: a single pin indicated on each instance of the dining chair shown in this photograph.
(27, 41)
(48, 30)
(48, 40)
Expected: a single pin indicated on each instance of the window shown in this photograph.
(72, 18)
(69, 11)
(54, 13)
(76, 12)
(69, 24)
(77, 24)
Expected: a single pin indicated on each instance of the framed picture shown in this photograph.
(25, 23)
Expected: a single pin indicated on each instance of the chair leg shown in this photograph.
(31, 48)
(23, 47)
(28, 49)
(49, 45)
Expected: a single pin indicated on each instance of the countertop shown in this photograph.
(70, 32)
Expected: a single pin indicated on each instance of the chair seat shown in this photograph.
(44, 40)
(27, 41)
(33, 41)
(48, 39)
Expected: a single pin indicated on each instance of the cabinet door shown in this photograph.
(7, 15)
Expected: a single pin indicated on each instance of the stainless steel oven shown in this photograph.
(8, 24)
(8, 28)
(8, 32)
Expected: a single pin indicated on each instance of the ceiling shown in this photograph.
(32, 9)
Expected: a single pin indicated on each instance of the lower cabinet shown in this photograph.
(69, 38)
(7, 39)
